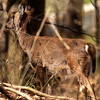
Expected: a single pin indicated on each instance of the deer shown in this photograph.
(50, 53)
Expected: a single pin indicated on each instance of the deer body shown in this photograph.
(52, 53)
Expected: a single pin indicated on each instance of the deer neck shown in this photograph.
(25, 40)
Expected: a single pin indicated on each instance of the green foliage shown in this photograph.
(86, 1)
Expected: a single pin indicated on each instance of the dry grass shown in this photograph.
(65, 88)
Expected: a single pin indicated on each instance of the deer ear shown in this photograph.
(92, 52)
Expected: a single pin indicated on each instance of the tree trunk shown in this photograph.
(14, 62)
(97, 10)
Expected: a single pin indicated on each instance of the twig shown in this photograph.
(93, 3)
(40, 29)
(40, 93)
(48, 81)
(58, 35)
(19, 93)
(6, 94)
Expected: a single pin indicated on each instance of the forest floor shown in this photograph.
(64, 89)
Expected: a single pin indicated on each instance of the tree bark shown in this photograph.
(14, 60)
(97, 11)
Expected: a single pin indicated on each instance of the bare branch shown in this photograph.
(93, 3)
(36, 92)
(6, 93)
(58, 35)
(19, 93)
(40, 29)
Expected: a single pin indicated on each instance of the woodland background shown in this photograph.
(82, 16)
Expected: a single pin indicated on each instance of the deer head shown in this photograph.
(17, 17)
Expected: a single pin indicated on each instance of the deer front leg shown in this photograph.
(41, 74)
(78, 92)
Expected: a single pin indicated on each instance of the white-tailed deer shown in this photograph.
(50, 53)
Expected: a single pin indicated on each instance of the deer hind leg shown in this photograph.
(78, 92)
(87, 85)
(47, 77)
(83, 89)
(41, 74)
(86, 94)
